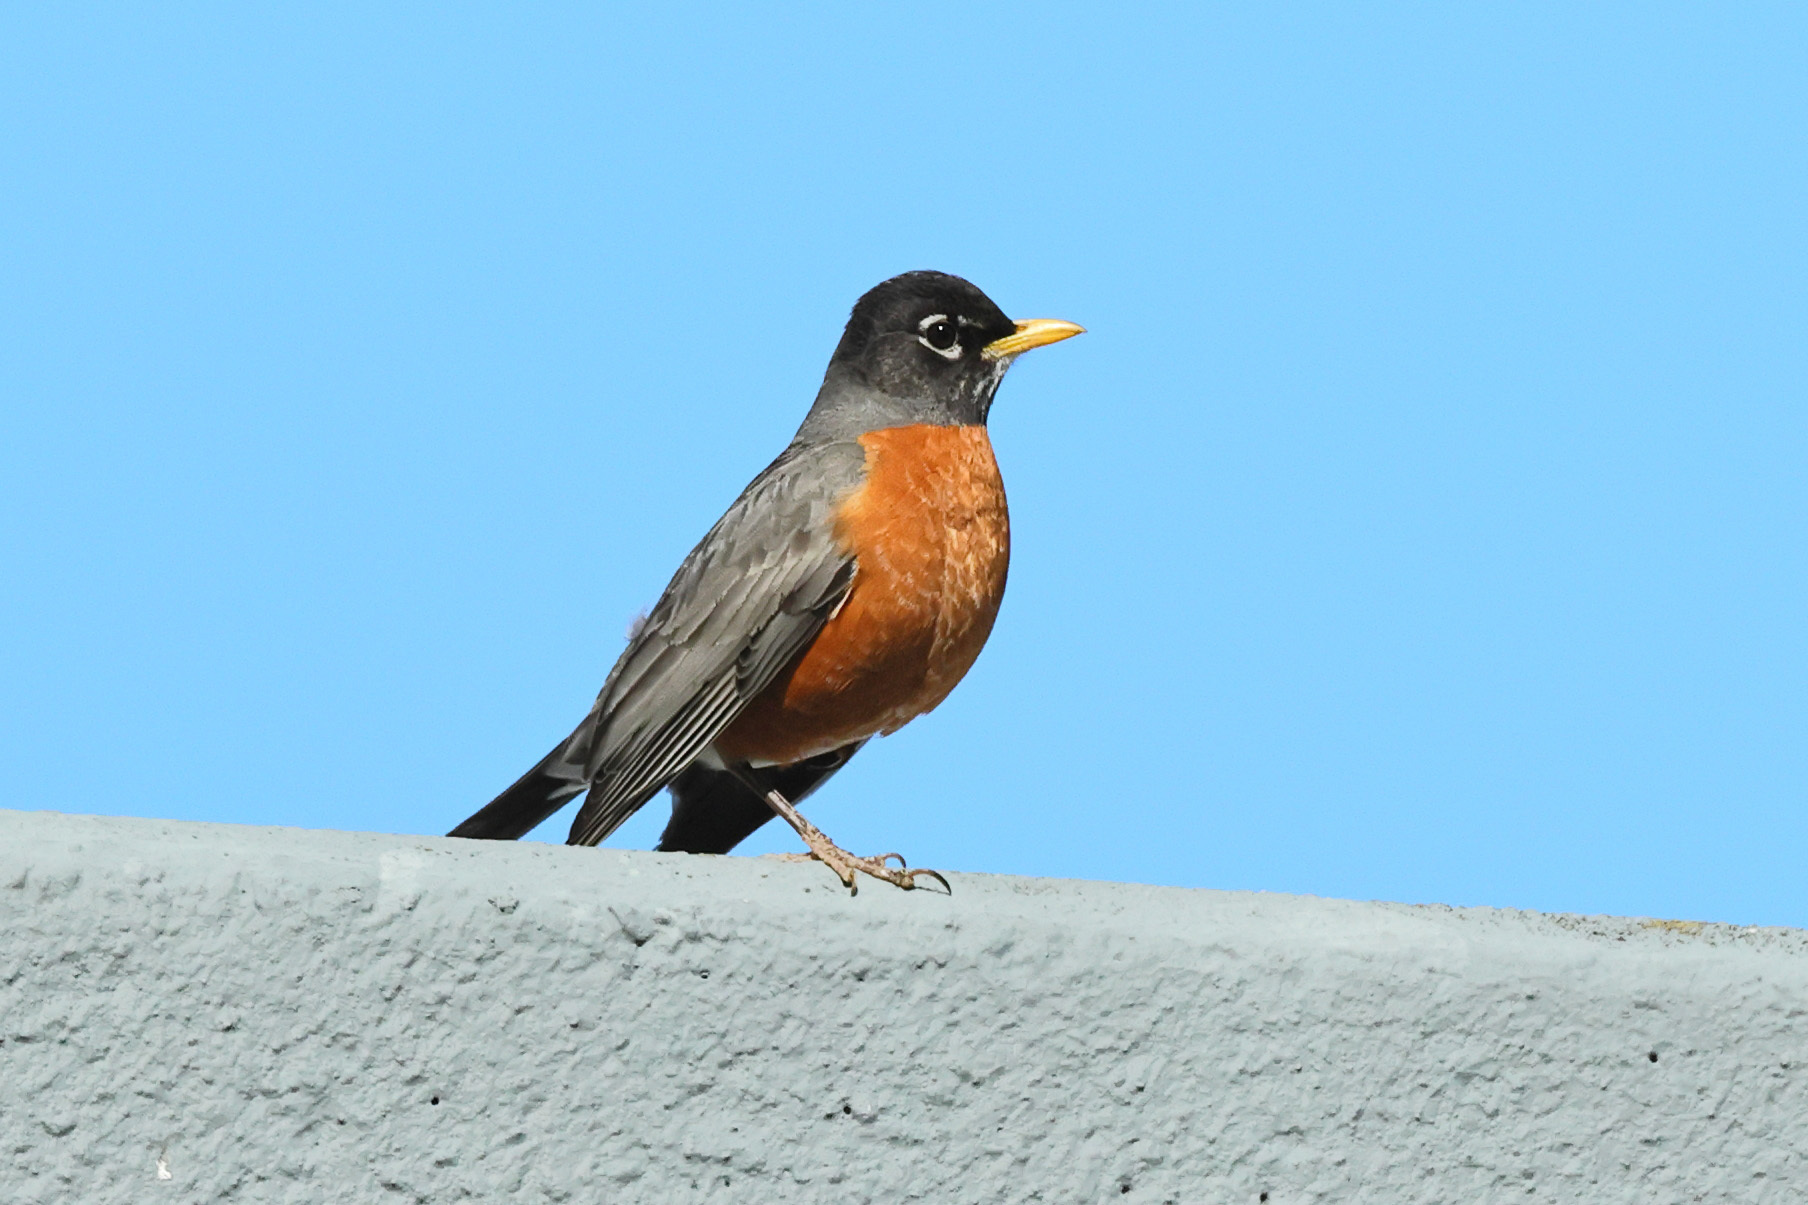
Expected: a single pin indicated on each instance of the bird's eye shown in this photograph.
(940, 335)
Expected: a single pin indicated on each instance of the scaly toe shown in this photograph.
(899, 877)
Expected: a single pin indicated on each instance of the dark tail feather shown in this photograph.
(713, 811)
(536, 795)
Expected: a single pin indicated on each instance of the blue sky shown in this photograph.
(1422, 517)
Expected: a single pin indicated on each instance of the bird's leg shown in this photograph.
(847, 865)
(844, 864)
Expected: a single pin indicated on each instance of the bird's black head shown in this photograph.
(925, 347)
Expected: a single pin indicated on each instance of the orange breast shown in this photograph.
(932, 540)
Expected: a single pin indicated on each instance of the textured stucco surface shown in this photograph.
(283, 1015)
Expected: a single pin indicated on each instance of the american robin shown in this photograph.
(844, 593)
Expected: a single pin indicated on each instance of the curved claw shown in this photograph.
(848, 875)
(911, 877)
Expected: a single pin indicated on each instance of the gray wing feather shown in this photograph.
(744, 603)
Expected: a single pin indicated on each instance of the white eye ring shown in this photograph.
(951, 352)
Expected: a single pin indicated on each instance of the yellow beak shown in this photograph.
(1034, 332)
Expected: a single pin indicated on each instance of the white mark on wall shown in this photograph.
(399, 879)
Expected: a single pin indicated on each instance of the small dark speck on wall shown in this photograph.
(1652, 1056)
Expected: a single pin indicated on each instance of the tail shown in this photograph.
(537, 794)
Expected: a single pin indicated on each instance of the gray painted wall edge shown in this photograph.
(201, 1012)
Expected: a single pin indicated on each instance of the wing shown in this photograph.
(745, 602)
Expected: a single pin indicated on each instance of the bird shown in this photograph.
(845, 592)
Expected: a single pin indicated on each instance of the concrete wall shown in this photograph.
(199, 1013)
